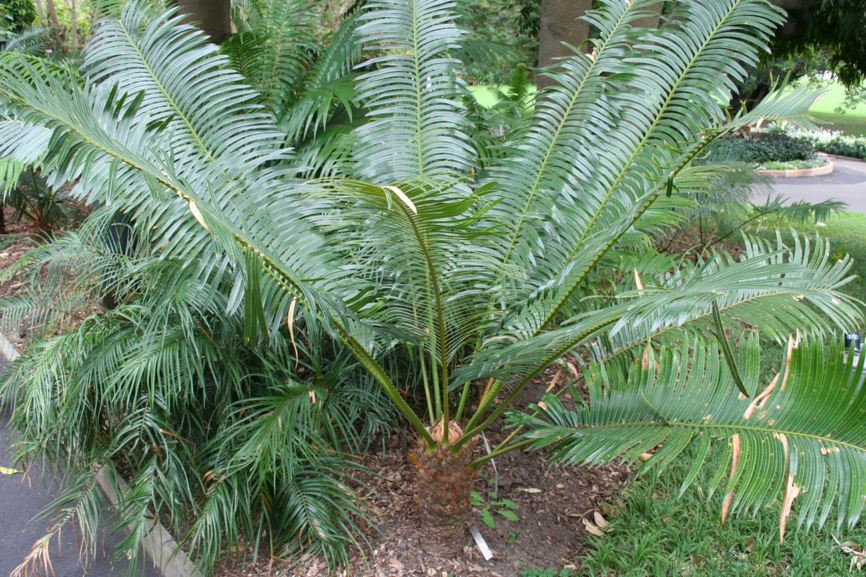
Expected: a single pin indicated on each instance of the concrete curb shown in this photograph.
(800, 172)
(162, 548)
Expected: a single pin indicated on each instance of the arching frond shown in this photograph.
(275, 47)
(799, 439)
(329, 84)
(772, 290)
(411, 94)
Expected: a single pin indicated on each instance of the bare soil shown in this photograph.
(552, 504)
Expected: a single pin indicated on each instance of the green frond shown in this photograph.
(411, 93)
(328, 89)
(657, 125)
(275, 47)
(775, 289)
(799, 438)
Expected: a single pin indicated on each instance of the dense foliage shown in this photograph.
(763, 147)
(16, 16)
(833, 143)
(266, 299)
(831, 30)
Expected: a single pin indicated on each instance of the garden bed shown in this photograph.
(818, 166)
(551, 504)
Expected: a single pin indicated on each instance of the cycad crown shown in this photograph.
(464, 282)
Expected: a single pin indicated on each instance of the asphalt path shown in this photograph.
(21, 503)
(847, 183)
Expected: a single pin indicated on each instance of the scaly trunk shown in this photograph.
(560, 22)
(55, 24)
(212, 16)
(444, 483)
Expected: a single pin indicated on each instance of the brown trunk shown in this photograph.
(212, 16)
(444, 483)
(73, 28)
(55, 23)
(651, 21)
(560, 22)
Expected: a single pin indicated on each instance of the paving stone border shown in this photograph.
(800, 172)
(167, 556)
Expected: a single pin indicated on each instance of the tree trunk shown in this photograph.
(55, 24)
(73, 28)
(40, 11)
(651, 21)
(444, 483)
(560, 23)
(212, 16)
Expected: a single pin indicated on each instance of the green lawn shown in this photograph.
(655, 534)
(847, 234)
(852, 122)
(487, 95)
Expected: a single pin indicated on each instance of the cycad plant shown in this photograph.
(454, 285)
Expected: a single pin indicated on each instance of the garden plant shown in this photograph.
(269, 300)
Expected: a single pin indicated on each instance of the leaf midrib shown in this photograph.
(724, 427)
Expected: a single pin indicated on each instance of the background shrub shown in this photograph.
(16, 15)
(768, 147)
(839, 145)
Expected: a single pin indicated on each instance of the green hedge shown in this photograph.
(839, 145)
(767, 147)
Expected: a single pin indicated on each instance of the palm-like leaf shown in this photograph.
(275, 46)
(801, 436)
(415, 128)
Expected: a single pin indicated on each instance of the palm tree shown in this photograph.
(454, 286)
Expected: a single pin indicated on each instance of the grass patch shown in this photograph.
(847, 234)
(851, 121)
(658, 535)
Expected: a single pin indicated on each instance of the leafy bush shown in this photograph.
(206, 425)
(16, 15)
(765, 147)
(835, 143)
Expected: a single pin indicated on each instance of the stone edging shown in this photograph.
(167, 556)
(800, 172)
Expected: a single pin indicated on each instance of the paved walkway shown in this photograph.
(847, 183)
(20, 503)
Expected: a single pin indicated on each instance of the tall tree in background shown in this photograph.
(212, 16)
(818, 36)
(561, 25)
(55, 23)
(832, 27)
(73, 25)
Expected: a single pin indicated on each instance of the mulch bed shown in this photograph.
(552, 504)
(17, 240)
